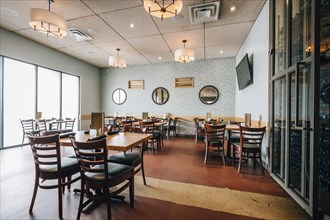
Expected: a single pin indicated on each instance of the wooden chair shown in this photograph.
(250, 143)
(134, 159)
(49, 165)
(149, 127)
(98, 175)
(199, 130)
(69, 124)
(172, 127)
(123, 124)
(28, 128)
(214, 140)
(42, 126)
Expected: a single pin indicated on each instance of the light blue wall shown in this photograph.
(183, 101)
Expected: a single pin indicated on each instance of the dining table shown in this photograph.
(118, 142)
(229, 129)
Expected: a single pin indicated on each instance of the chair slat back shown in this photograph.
(27, 125)
(46, 150)
(148, 126)
(42, 125)
(251, 135)
(215, 132)
(90, 154)
(69, 123)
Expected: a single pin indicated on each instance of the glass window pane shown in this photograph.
(70, 97)
(49, 93)
(300, 30)
(279, 128)
(280, 36)
(19, 99)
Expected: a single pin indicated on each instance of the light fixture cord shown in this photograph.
(49, 1)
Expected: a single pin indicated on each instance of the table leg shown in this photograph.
(229, 146)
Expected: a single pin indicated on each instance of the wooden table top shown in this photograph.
(119, 142)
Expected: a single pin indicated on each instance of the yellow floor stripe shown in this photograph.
(220, 199)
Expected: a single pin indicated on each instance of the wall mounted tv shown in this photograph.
(244, 72)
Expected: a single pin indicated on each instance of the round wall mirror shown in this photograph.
(209, 95)
(160, 95)
(119, 96)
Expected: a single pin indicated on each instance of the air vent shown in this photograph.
(78, 35)
(204, 12)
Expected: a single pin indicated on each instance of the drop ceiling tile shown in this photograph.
(56, 42)
(89, 52)
(195, 39)
(149, 44)
(136, 59)
(166, 56)
(120, 21)
(245, 11)
(101, 62)
(228, 50)
(94, 27)
(104, 6)
(227, 34)
(110, 47)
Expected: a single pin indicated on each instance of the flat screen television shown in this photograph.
(244, 73)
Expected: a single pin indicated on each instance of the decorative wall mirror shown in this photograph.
(119, 96)
(209, 95)
(160, 96)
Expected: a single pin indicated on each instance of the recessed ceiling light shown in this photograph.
(221, 51)
(233, 8)
(159, 58)
(9, 11)
(132, 25)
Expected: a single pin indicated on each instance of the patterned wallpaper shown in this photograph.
(182, 101)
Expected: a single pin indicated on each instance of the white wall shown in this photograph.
(18, 47)
(254, 98)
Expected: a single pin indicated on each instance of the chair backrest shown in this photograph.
(27, 126)
(69, 123)
(196, 123)
(148, 126)
(123, 124)
(92, 154)
(215, 133)
(251, 135)
(42, 126)
(46, 150)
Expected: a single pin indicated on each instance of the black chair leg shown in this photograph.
(60, 209)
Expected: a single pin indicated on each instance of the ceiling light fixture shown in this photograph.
(47, 22)
(163, 9)
(232, 8)
(117, 61)
(132, 25)
(184, 55)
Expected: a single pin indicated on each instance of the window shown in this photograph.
(19, 99)
(28, 89)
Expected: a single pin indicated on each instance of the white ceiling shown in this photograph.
(108, 23)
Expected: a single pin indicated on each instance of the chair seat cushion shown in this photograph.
(68, 165)
(246, 145)
(127, 158)
(115, 170)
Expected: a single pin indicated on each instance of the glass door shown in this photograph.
(300, 130)
(292, 99)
